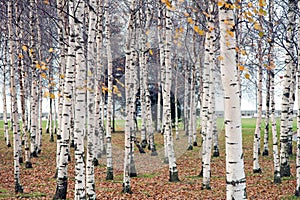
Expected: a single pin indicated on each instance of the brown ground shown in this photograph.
(152, 181)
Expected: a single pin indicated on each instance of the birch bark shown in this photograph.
(297, 191)
(109, 164)
(286, 96)
(235, 174)
(15, 114)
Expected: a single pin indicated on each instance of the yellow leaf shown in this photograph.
(89, 73)
(229, 6)
(190, 20)
(186, 14)
(44, 66)
(51, 50)
(104, 88)
(201, 32)
(257, 27)
(261, 34)
(262, 3)
(46, 94)
(24, 47)
(220, 58)
(247, 76)
(250, 5)
(62, 76)
(243, 52)
(52, 96)
(46, 2)
(220, 3)
(43, 75)
(196, 28)
(120, 83)
(151, 52)
(241, 67)
(20, 56)
(38, 66)
(231, 33)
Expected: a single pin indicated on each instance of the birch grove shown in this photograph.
(142, 89)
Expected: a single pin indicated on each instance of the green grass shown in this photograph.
(32, 195)
(148, 175)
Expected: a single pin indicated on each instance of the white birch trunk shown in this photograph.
(267, 118)
(256, 143)
(192, 113)
(186, 100)
(61, 8)
(286, 96)
(297, 190)
(128, 96)
(40, 85)
(80, 93)
(109, 161)
(34, 95)
(6, 129)
(64, 128)
(90, 171)
(167, 100)
(14, 114)
(99, 131)
(176, 102)
(208, 134)
(235, 174)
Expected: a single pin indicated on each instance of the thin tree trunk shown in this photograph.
(297, 191)
(256, 143)
(173, 172)
(14, 114)
(6, 129)
(34, 97)
(90, 171)
(235, 174)
(109, 164)
(129, 99)
(64, 128)
(76, 8)
(285, 170)
(207, 136)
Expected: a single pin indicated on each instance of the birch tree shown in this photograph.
(6, 129)
(15, 114)
(90, 171)
(34, 63)
(297, 190)
(62, 174)
(129, 97)
(109, 164)
(76, 47)
(209, 117)
(271, 72)
(235, 174)
(256, 143)
(99, 131)
(286, 95)
(167, 97)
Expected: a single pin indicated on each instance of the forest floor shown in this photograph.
(152, 180)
